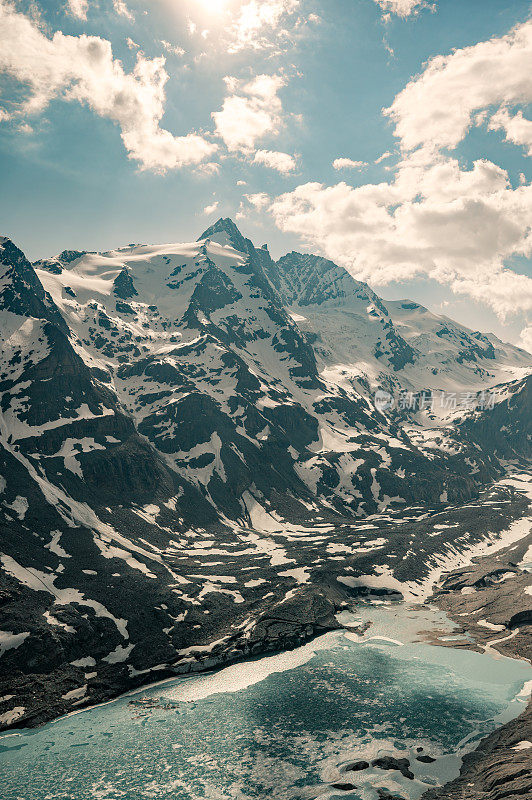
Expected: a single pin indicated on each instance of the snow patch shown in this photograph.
(10, 640)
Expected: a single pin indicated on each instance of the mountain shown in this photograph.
(400, 345)
(191, 457)
(196, 344)
(506, 427)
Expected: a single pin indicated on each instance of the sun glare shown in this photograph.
(215, 6)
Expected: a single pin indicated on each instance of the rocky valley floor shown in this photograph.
(248, 592)
(490, 602)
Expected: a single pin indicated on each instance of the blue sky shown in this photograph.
(103, 144)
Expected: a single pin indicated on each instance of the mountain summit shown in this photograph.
(189, 433)
(232, 234)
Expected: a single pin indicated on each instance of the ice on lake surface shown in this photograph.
(283, 726)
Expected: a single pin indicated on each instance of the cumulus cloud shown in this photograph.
(77, 8)
(212, 208)
(461, 226)
(82, 69)
(259, 200)
(437, 108)
(518, 129)
(403, 8)
(348, 163)
(504, 291)
(525, 339)
(249, 112)
(282, 162)
(121, 9)
(259, 23)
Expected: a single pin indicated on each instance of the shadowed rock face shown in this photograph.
(506, 428)
(171, 445)
(123, 286)
(501, 767)
(21, 292)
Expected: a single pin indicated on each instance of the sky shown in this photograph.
(392, 136)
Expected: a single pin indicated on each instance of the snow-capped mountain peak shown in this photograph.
(225, 232)
(166, 405)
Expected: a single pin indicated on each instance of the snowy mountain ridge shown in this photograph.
(216, 329)
(194, 425)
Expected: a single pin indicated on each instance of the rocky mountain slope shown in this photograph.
(490, 602)
(191, 471)
(400, 345)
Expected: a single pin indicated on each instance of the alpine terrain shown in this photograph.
(206, 454)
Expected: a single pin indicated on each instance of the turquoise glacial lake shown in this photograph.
(283, 726)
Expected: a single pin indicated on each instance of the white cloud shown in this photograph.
(460, 226)
(82, 69)
(383, 157)
(348, 163)
(249, 112)
(173, 49)
(212, 208)
(259, 23)
(282, 162)
(78, 8)
(259, 201)
(506, 292)
(525, 339)
(122, 10)
(403, 8)
(436, 109)
(518, 129)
